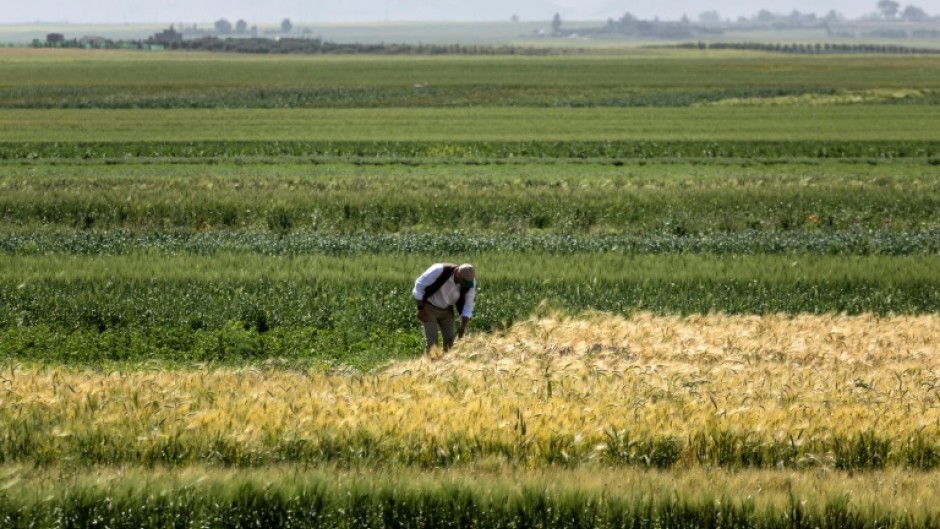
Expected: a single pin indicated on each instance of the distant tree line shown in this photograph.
(92, 43)
(818, 48)
(319, 46)
(892, 17)
(172, 40)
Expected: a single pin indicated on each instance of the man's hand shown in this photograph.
(464, 321)
(422, 315)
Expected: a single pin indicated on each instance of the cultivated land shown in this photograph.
(708, 290)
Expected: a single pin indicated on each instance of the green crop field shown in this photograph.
(708, 290)
(906, 123)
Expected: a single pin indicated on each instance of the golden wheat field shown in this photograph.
(730, 390)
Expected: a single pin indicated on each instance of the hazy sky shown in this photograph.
(313, 11)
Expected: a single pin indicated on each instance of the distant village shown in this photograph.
(889, 21)
(168, 38)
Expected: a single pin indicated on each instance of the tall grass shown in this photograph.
(836, 392)
(280, 498)
(296, 243)
(826, 198)
(908, 123)
(474, 151)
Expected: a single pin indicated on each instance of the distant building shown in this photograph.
(91, 41)
(168, 36)
(55, 38)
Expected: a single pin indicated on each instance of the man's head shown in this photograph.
(465, 274)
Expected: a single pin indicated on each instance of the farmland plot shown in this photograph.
(705, 300)
(648, 413)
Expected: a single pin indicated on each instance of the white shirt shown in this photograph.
(449, 292)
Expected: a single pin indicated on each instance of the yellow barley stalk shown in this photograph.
(551, 384)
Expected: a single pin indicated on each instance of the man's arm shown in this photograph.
(467, 313)
(421, 284)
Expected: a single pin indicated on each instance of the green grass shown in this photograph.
(320, 498)
(825, 200)
(357, 310)
(840, 123)
(886, 242)
(518, 153)
(44, 78)
(572, 268)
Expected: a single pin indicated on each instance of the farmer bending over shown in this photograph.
(437, 291)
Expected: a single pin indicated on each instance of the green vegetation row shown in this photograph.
(143, 499)
(741, 129)
(468, 152)
(293, 243)
(57, 97)
(285, 45)
(820, 204)
(358, 310)
(258, 45)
